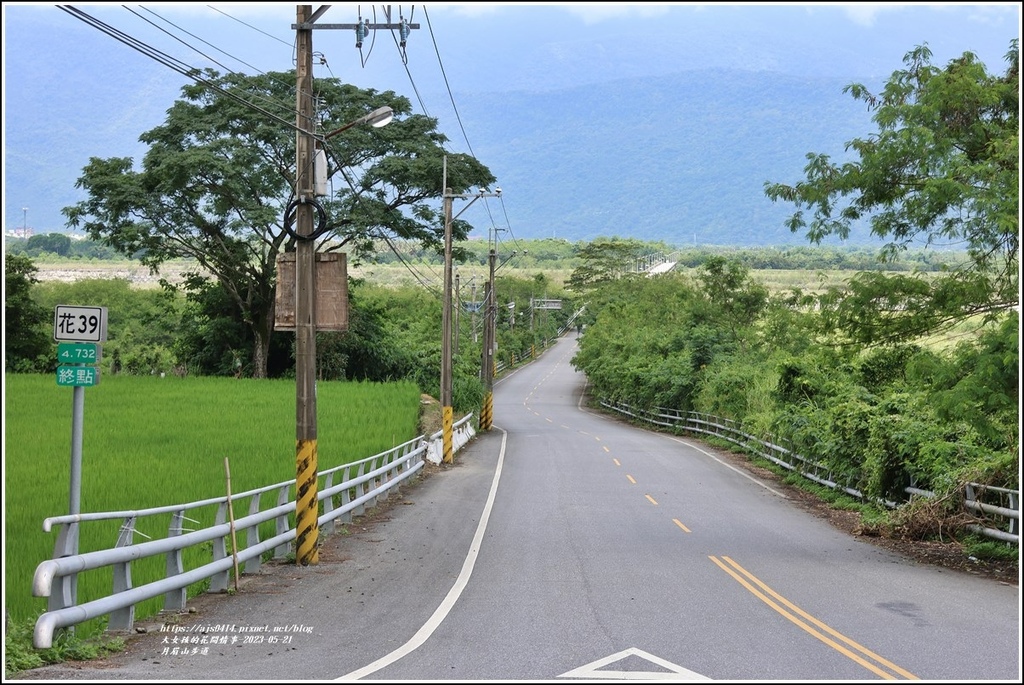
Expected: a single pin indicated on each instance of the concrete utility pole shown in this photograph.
(458, 306)
(473, 311)
(306, 461)
(487, 356)
(446, 334)
(446, 313)
(306, 506)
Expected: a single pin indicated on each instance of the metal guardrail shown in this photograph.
(990, 504)
(346, 491)
(517, 359)
(531, 354)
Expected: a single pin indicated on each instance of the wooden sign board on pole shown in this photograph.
(331, 292)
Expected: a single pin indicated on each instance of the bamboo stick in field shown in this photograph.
(231, 519)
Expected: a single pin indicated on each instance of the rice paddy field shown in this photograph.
(154, 441)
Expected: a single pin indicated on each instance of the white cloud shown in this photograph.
(864, 13)
(590, 13)
(598, 12)
(994, 14)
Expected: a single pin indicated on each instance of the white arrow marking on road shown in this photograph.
(592, 671)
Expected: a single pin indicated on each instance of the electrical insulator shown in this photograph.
(362, 29)
(403, 32)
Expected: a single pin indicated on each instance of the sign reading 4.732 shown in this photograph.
(79, 324)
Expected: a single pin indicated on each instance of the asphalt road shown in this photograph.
(565, 545)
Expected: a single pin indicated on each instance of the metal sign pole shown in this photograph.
(77, 414)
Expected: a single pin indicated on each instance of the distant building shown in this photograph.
(24, 232)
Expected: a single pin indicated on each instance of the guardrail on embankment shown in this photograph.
(997, 509)
(345, 491)
(516, 359)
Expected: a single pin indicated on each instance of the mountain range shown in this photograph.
(662, 125)
(681, 159)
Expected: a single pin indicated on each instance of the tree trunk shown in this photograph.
(262, 330)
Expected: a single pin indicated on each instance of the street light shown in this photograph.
(306, 500)
(381, 116)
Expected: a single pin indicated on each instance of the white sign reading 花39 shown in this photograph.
(79, 324)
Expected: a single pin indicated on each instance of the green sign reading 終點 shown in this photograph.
(77, 376)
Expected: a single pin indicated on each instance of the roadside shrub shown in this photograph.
(909, 445)
(740, 388)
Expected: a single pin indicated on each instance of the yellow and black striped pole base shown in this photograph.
(486, 414)
(306, 507)
(446, 434)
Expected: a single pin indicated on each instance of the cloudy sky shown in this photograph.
(72, 91)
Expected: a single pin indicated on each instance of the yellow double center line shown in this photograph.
(795, 614)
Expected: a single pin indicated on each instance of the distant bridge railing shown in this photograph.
(345, 491)
(997, 509)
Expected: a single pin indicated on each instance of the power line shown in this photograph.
(176, 38)
(291, 45)
(171, 62)
(426, 286)
(447, 86)
(193, 73)
(167, 21)
(289, 85)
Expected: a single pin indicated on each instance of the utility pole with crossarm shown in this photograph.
(446, 313)
(306, 500)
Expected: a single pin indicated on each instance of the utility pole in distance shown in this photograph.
(446, 312)
(458, 307)
(487, 355)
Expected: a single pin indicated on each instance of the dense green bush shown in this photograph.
(880, 418)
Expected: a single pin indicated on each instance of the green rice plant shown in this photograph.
(156, 441)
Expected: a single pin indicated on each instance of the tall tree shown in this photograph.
(943, 169)
(605, 259)
(218, 180)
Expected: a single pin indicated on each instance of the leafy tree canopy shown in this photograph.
(943, 169)
(219, 176)
(26, 345)
(55, 243)
(606, 259)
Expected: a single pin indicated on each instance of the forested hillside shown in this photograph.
(681, 159)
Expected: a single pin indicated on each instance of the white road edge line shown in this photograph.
(730, 466)
(446, 605)
(579, 405)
